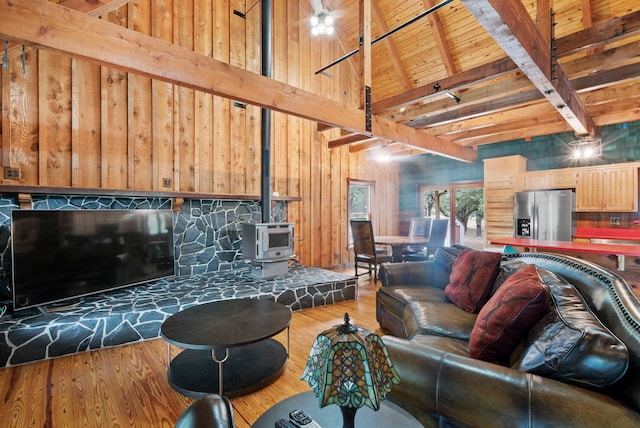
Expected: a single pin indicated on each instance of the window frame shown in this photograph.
(370, 187)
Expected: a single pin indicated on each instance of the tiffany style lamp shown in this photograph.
(349, 366)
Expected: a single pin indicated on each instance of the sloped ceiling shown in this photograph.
(518, 68)
(473, 72)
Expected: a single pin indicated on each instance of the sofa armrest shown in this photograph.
(478, 393)
(426, 273)
(414, 273)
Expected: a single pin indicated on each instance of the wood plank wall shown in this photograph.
(72, 123)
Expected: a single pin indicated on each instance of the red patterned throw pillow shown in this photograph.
(471, 279)
(509, 315)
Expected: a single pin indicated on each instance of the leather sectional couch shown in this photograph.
(575, 362)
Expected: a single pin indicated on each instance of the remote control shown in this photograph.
(285, 423)
(301, 419)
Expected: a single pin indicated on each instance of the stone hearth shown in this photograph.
(136, 313)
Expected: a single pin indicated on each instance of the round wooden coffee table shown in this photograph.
(228, 348)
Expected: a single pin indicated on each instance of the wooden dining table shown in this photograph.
(399, 242)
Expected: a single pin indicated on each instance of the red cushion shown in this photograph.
(509, 315)
(471, 279)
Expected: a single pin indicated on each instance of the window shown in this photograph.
(359, 202)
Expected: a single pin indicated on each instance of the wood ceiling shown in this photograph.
(520, 69)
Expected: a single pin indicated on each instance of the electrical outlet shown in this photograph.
(614, 220)
(11, 173)
(166, 182)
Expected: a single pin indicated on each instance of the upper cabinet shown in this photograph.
(621, 188)
(612, 188)
(550, 179)
(590, 190)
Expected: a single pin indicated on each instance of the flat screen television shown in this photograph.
(61, 254)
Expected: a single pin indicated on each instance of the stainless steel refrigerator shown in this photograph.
(547, 214)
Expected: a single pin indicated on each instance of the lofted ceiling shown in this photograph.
(519, 68)
(472, 72)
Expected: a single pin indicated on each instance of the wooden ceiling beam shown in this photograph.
(365, 60)
(618, 111)
(545, 129)
(613, 94)
(510, 25)
(342, 39)
(543, 19)
(453, 130)
(366, 145)
(42, 24)
(588, 69)
(470, 111)
(349, 139)
(470, 98)
(587, 21)
(599, 35)
(441, 40)
(612, 105)
(510, 101)
(603, 60)
(390, 46)
(92, 8)
(527, 122)
(459, 81)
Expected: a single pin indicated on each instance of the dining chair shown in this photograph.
(418, 226)
(212, 411)
(366, 254)
(437, 239)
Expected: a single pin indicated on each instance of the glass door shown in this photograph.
(467, 207)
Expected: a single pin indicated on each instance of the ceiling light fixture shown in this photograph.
(586, 148)
(322, 23)
(383, 154)
(453, 96)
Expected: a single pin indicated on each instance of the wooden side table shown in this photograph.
(389, 415)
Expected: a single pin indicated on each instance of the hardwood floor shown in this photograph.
(126, 386)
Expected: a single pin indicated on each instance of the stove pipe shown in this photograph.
(265, 133)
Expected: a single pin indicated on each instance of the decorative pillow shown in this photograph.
(570, 344)
(507, 268)
(471, 279)
(509, 315)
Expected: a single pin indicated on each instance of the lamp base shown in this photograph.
(348, 416)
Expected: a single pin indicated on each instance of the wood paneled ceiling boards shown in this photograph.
(518, 69)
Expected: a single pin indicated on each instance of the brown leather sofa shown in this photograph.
(443, 387)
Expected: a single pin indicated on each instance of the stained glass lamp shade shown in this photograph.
(349, 366)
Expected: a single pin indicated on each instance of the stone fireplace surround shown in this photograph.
(208, 267)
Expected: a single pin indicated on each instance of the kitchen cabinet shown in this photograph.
(536, 180)
(589, 190)
(502, 178)
(565, 178)
(612, 188)
(621, 188)
(498, 197)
